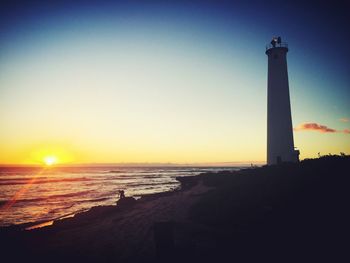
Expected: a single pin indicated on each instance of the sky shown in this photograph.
(163, 81)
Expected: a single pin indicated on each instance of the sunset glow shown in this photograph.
(157, 131)
(50, 160)
(149, 83)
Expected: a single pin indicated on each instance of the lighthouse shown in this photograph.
(280, 143)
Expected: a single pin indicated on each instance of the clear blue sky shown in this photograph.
(157, 82)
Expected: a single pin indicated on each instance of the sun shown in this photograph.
(50, 160)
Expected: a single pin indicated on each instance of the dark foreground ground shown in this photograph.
(287, 213)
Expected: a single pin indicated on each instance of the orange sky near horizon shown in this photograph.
(161, 152)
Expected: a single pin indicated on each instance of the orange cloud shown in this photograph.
(314, 127)
(344, 119)
(318, 127)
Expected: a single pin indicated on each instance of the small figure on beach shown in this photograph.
(125, 202)
(121, 194)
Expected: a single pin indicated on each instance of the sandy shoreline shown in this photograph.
(279, 213)
(184, 184)
(121, 229)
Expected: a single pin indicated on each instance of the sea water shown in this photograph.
(31, 194)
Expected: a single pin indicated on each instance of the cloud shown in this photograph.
(314, 127)
(344, 119)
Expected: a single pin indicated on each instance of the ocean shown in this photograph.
(32, 194)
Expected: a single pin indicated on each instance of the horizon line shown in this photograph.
(140, 164)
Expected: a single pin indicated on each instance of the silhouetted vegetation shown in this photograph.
(285, 212)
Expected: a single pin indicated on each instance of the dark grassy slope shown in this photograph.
(288, 212)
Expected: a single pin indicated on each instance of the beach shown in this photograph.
(280, 213)
(111, 232)
(32, 194)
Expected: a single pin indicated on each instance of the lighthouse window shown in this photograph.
(275, 56)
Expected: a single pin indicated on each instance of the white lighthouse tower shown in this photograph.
(280, 144)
